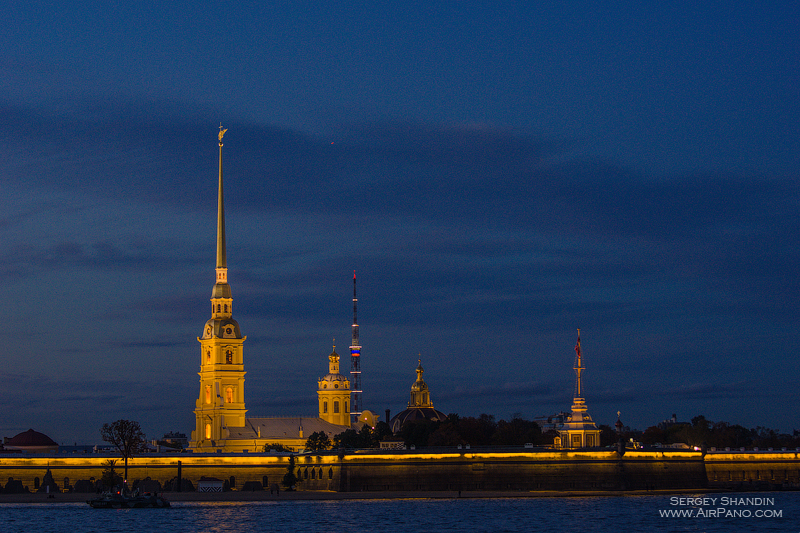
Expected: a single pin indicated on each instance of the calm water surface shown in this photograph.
(611, 514)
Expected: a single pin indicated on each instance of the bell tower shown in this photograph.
(220, 404)
(333, 393)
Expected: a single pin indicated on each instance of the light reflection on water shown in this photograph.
(604, 513)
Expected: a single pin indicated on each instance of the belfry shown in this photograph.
(334, 394)
(220, 404)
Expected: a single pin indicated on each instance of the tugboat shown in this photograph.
(119, 500)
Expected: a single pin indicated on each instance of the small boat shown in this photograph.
(118, 500)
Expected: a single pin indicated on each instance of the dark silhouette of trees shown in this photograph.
(289, 478)
(127, 437)
(517, 431)
(477, 431)
(318, 440)
(275, 446)
(480, 431)
(109, 477)
(366, 437)
(351, 438)
(719, 435)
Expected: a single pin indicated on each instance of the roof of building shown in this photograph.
(284, 428)
(31, 438)
(335, 379)
(415, 414)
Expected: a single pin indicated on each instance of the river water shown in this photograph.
(765, 511)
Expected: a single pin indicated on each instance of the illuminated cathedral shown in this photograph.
(221, 424)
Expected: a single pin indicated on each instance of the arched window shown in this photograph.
(229, 395)
(229, 357)
(226, 308)
(208, 356)
(330, 473)
(313, 474)
(336, 406)
(208, 393)
(208, 431)
(346, 410)
(324, 407)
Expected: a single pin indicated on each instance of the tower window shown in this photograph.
(324, 407)
(208, 394)
(335, 407)
(229, 357)
(226, 308)
(229, 395)
(218, 308)
(346, 410)
(208, 431)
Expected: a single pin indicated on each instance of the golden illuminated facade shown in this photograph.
(334, 394)
(220, 403)
(579, 430)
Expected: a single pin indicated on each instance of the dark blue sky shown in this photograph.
(499, 175)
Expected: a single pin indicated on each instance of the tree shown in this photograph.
(127, 437)
(275, 446)
(110, 478)
(517, 431)
(477, 431)
(289, 478)
(318, 440)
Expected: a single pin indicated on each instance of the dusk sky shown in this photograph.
(498, 174)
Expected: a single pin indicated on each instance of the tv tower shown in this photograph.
(355, 362)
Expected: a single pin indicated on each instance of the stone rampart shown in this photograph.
(374, 470)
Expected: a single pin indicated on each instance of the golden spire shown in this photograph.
(222, 263)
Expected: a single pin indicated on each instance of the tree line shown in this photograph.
(484, 430)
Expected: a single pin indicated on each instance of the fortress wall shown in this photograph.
(161, 468)
(562, 470)
(753, 470)
(457, 470)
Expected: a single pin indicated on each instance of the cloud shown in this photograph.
(472, 244)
